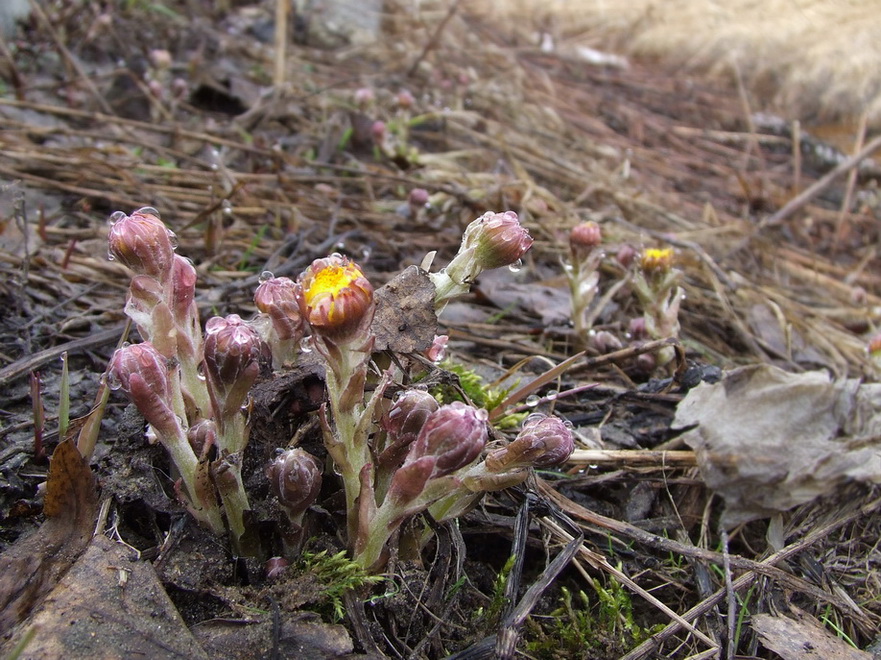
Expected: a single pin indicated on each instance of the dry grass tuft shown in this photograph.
(811, 59)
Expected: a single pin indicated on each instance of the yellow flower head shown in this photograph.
(656, 261)
(335, 297)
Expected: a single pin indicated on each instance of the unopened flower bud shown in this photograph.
(626, 255)
(405, 99)
(542, 442)
(142, 242)
(202, 436)
(403, 422)
(232, 352)
(335, 298)
(277, 298)
(378, 130)
(454, 435)
(418, 197)
(637, 328)
(295, 479)
(498, 239)
(584, 238)
(605, 342)
(364, 97)
(141, 372)
(438, 349)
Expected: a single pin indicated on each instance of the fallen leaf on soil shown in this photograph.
(552, 305)
(767, 440)
(405, 321)
(802, 640)
(32, 567)
(298, 637)
(110, 607)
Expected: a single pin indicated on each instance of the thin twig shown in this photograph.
(819, 186)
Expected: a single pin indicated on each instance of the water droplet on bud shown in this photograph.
(306, 345)
(112, 381)
(265, 276)
(532, 400)
(516, 266)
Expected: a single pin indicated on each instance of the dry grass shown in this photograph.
(656, 160)
(811, 59)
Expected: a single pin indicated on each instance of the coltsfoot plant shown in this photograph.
(394, 458)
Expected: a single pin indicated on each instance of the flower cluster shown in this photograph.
(653, 279)
(395, 458)
(191, 390)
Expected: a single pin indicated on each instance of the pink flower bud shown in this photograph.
(585, 237)
(542, 442)
(142, 242)
(438, 349)
(605, 342)
(454, 435)
(498, 239)
(202, 436)
(142, 373)
(335, 298)
(626, 255)
(364, 97)
(403, 422)
(232, 352)
(378, 130)
(295, 479)
(637, 328)
(418, 197)
(277, 298)
(405, 99)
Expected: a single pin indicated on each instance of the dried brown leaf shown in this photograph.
(32, 567)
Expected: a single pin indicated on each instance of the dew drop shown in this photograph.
(569, 425)
(126, 344)
(552, 395)
(116, 216)
(110, 256)
(532, 400)
(148, 210)
(516, 266)
(682, 297)
(365, 253)
(481, 414)
(172, 238)
(265, 276)
(112, 381)
(306, 345)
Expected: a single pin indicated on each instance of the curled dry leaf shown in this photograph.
(767, 440)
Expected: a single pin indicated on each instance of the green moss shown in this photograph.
(338, 574)
(478, 391)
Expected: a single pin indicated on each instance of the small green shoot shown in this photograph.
(246, 256)
(64, 399)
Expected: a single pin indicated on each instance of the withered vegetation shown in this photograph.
(257, 178)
